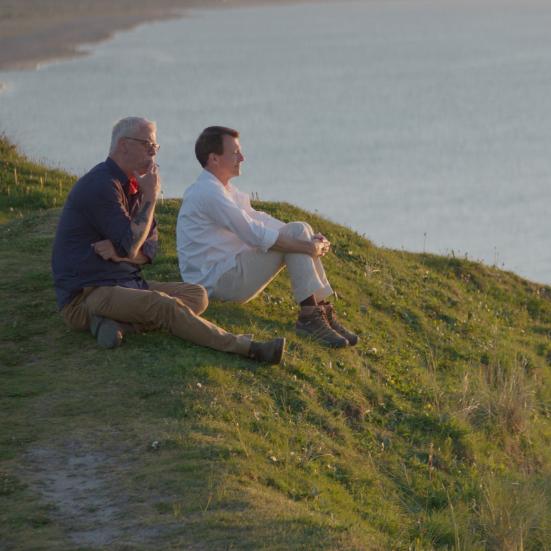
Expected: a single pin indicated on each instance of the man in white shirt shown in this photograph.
(235, 251)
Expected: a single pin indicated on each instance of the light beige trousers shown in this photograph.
(255, 270)
(171, 306)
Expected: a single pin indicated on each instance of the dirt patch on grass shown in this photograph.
(89, 487)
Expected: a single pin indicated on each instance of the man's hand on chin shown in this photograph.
(149, 181)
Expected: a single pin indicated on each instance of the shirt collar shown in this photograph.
(207, 175)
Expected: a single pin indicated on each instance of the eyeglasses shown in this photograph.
(146, 143)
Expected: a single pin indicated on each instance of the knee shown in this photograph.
(298, 230)
(196, 299)
(201, 300)
(192, 295)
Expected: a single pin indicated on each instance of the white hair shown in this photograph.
(128, 127)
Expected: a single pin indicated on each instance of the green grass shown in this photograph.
(27, 186)
(433, 433)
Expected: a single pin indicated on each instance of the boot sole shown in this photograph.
(278, 355)
(343, 344)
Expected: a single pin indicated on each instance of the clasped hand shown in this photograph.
(321, 244)
(106, 250)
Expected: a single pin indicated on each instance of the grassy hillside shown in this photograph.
(433, 433)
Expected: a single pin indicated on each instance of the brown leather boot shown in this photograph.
(270, 352)
(352, 338)
(312, 322)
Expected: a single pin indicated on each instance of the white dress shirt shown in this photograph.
(215, 224)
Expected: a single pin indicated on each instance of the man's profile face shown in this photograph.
(229, 163)
(140, 149)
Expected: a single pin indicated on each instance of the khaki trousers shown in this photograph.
(255, 270)
(171, 306)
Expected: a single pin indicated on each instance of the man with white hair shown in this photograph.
(106, 232)
(235, 251)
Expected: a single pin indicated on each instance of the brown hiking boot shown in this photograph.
(109, 333)
(269, 352)
(352, 338)
(312, 322)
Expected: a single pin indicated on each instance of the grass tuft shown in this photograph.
(500, 397)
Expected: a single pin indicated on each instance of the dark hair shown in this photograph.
(210, 141)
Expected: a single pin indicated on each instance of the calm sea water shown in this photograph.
(423, 124)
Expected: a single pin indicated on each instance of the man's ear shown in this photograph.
(122, 145)
(213, 159)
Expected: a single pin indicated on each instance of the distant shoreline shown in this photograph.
(37, 31)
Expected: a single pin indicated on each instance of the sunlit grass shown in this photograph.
(433, 433)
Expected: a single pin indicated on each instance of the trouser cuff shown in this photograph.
(321, 293)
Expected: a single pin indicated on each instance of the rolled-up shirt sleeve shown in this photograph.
(266, 219)
(229, 216)
(244, 201)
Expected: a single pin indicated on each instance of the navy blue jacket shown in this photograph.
(98, 207)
